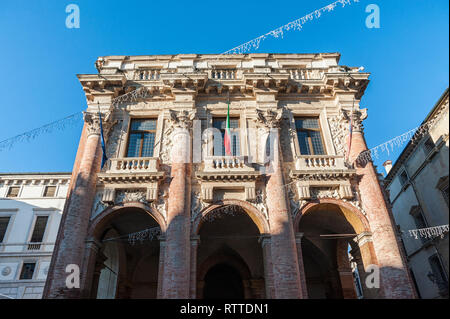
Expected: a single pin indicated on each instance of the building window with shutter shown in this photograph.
(4, 222)
(141, 140)
(49, 191)
(27, 271)
(428, 146)
(309, 136)
(403, 178)
(13, 191)
(438, 275)
(39, 229)
(419, 219)
(442, 186)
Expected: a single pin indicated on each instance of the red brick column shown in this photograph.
(162, 253)
(301, 267)
(90, 273)
(268, 266)
(177, 257)
(70, 244)
(286, 276)
(394, 277)
(195, 240)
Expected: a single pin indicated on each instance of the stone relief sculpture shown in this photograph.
(260, 203)
(197, 205)
(161, 204)
(130, 195)
(98, 205)
(294, 204)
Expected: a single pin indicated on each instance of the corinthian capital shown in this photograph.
(269, 119)
(182, 119)
(92, 120)
(357, 117)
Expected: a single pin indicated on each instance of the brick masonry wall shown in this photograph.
(395, 281)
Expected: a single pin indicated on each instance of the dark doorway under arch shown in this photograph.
(223, 281)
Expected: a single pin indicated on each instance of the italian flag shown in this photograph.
(227, 138)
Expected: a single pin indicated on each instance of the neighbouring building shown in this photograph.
(418, 188)
(31, 205)
(286, 213)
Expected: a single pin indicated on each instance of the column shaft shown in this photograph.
(395, 281)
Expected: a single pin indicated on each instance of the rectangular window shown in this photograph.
(27, 271)
(13, 191)
(419, 220)
(403, 178)
(428, 146)
(445, 193)
(141, 141)
(219, 146)
(440, 278)
(39, 229)
(4, 222)
(309, 136)
(50, 191)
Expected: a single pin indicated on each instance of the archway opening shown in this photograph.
(229, 249)
(223, 281)
(328, 230)
(127, 264)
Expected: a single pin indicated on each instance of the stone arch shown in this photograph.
(361, 244)
(255, 215)
(352, 214)
(98, 228)
(98, 224)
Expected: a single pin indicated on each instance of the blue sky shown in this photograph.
(40, 57)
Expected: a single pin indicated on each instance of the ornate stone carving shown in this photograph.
(294, 204)
(355, 201)
(6, 271)
(197, 205)
(99, 205)
(161, 204)
(358, 116)
(269, 119)
(324, 192)
(260, 202)
(92, 120)
(131, 195)
(339, 131)
(166, 145)
(182, 119)
(114, 139)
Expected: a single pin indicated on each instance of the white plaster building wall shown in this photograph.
(424, 172)
(23, 210)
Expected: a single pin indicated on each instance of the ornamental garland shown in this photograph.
(146, 234)
(414, 135)
(429, 232)
(61, 124)
(293, 25)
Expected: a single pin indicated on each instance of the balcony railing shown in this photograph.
(224, 74)
(133, 165)
(320, 162)
(26, 247)
(149, 75)
(227, 163)
(306, 74)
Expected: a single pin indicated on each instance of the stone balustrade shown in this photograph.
(306, 74)
(320, 162)
(133, 165)
(223, 74)
(149, 75)
(227, 163)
